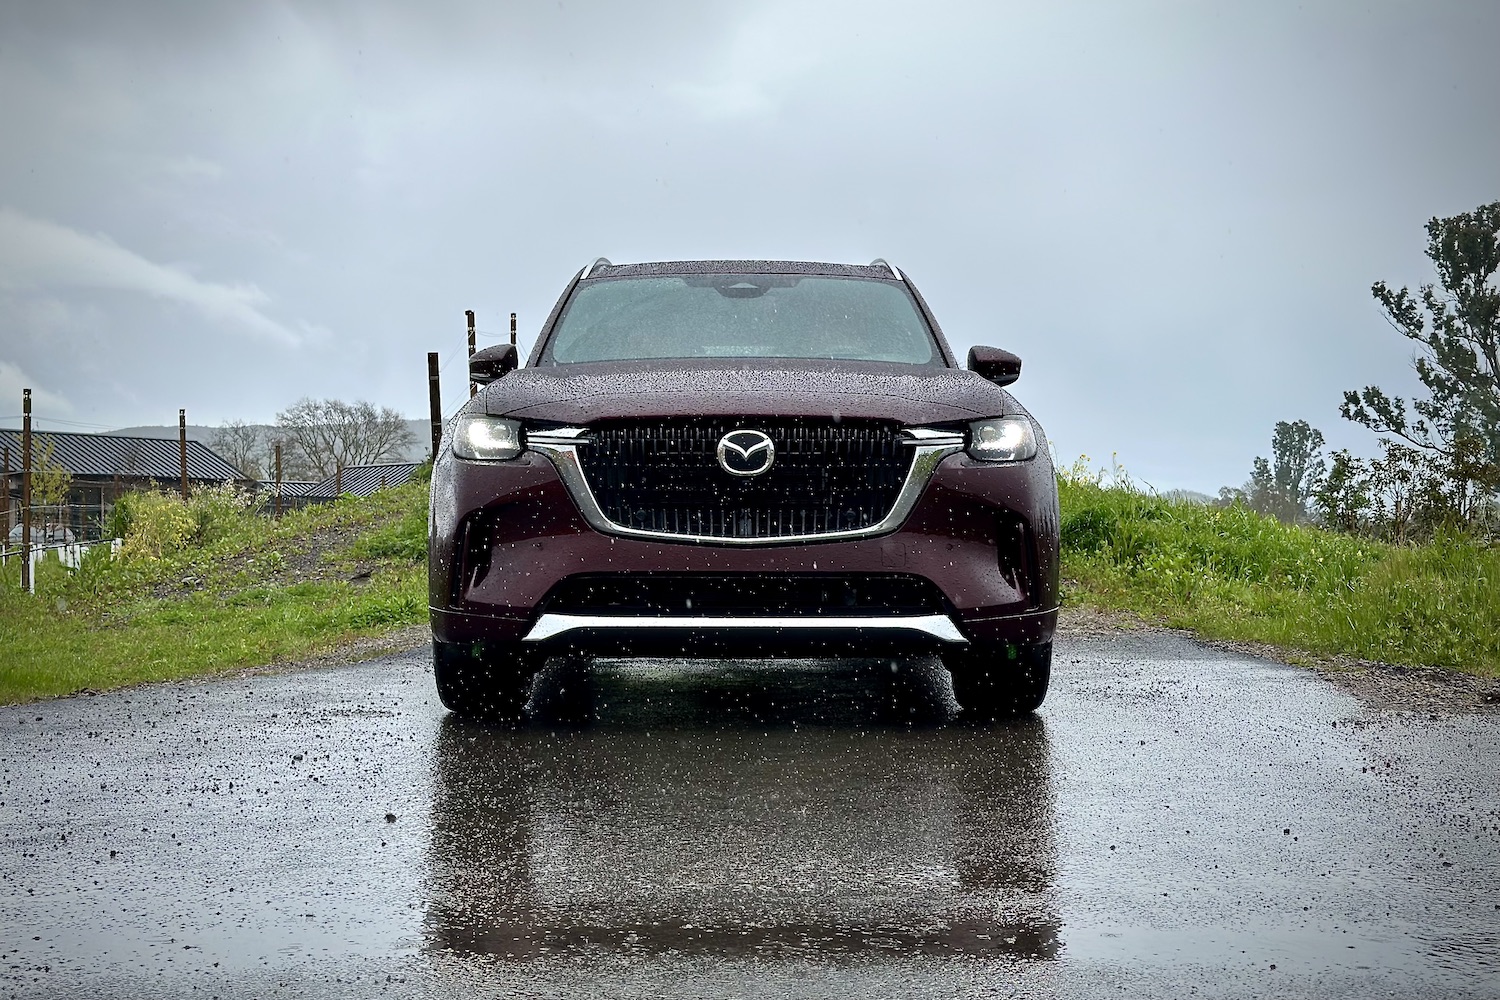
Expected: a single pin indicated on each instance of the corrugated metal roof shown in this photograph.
(292, 487)
(362, 480)
(104, 456)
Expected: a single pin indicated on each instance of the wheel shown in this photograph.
(485, 680)
(995, 681)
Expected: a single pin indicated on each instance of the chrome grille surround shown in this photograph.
(562, 445)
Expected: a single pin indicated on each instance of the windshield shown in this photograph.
(742, 316)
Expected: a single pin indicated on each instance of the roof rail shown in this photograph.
(589, 271)
(878, 261)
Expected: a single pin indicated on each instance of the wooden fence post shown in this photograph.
(28, 581)
(435, 401)
(473, 389)
(5, 498)
(182, 449)
(278, 479)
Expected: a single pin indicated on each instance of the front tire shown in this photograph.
(490, 681)
(992, 682)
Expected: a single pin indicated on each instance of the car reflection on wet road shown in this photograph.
(1175, 820)
(760, 838)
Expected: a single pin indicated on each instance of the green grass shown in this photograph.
(1229, 573)
(245, 592)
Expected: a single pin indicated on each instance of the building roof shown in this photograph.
(104, 456)
(293, 487)
(362, 480)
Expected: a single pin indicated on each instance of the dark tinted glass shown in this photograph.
(742, 316)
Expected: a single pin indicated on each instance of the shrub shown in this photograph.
(217, 512)
(155, 524)
(158, 524)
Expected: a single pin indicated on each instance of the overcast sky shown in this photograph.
(1173, 212)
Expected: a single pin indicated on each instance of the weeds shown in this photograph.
(1230, 573)
(211, 585)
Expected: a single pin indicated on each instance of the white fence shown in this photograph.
(70, 554)
(59, 530)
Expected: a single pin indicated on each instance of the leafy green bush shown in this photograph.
(158, 524)
(155, 524)
(218, 512)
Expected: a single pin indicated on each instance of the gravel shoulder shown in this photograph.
(354, 651)
(1382, 686)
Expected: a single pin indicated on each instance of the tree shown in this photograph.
(241, 445)
(1283, 486)
(330, 434)
(1457, 329)
(1260, 489)
(1297, 449)
(1343, 498)
(1405, 490)
(294, 465)
(50, 482)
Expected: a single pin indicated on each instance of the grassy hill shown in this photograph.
(209, 586)
(1229, 573)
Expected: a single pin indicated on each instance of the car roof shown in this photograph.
(604, 269)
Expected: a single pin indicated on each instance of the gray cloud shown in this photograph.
(13, 382)
(1174, 213)
(39, 256)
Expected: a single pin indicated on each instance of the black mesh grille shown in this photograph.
(665, 476)
(745, 595)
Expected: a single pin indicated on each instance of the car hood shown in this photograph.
(584, 393)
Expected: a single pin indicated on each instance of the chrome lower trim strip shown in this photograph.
(561, 447)
(937, 626)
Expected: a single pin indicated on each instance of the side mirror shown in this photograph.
(1000, 367)
(492, 363)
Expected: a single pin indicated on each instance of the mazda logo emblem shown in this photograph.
(746, 453)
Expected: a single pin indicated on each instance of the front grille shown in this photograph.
(665, 476)
(745, 595)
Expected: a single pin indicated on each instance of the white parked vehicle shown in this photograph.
(49, 535)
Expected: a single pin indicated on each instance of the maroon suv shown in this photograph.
(743, 458)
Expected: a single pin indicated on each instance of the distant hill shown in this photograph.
(195, 432)
(418, 452)
(1188, 496)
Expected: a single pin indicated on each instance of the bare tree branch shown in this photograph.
(330, 434)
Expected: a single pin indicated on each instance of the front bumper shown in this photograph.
(505, 536)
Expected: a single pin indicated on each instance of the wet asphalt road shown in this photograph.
(1177, 821)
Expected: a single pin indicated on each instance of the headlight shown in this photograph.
(1004, 439)
(486, 438)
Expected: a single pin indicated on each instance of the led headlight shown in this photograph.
(486, 438)
(1003, 439)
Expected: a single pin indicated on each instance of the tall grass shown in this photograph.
(1230, 573)
(212, 585)
(215, 586)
